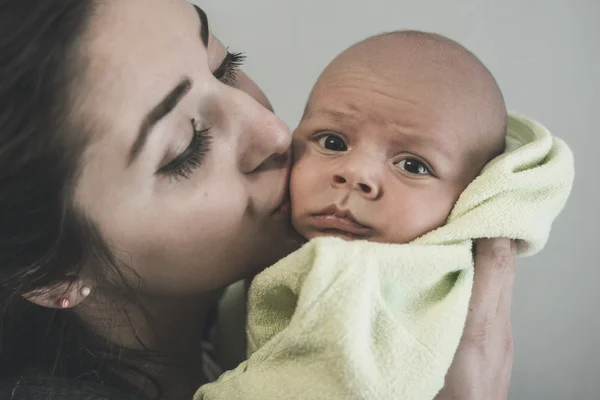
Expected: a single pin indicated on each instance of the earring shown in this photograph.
(64, 303)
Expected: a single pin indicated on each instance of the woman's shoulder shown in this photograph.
(38, 388)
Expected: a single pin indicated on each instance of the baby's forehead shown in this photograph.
(437, 79)
(354, 93)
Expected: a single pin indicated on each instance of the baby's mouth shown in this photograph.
(335, 221)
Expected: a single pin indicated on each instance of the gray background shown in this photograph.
(546, 57)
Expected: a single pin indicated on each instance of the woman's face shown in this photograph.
(187, 165)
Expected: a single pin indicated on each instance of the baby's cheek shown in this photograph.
(297, 194)
(417, 215)
(296, 185)
(308, 194)
(434, 214)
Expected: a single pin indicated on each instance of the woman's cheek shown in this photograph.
(218, 205)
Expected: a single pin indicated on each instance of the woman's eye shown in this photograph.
(414, 166)
(192, 157)
(333, 143)
(227, 71)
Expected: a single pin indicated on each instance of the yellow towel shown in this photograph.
(360, 320)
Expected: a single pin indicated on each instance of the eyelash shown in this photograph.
(323, 137)
(191, 158)
(227, 72)
(426, 167)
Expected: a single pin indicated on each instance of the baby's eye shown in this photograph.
(414, 166)
(332, 143)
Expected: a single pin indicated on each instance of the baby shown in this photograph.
(395, 129)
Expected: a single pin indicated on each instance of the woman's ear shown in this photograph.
(62, 295)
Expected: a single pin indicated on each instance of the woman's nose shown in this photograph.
(360, 176)
(264, 140)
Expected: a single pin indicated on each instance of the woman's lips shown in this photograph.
(284, 209)
(332, 218)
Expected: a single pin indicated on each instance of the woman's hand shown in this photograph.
(482, 364)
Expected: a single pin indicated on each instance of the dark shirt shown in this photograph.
(59, 389)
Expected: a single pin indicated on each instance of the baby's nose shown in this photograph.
(362, 180)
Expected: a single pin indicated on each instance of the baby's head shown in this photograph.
(396, 127)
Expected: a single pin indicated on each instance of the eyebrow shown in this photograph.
(332, 115)
(170, 101)
(162, 109)
(204, 31)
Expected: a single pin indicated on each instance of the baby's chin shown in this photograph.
(341, 235)
(310, 234)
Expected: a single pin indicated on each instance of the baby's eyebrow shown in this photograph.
(411, 139)
(333, 115)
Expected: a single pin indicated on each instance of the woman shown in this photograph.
(143, 172)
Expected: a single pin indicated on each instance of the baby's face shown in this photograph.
(376, 161)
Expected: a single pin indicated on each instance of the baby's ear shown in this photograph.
(61, 295)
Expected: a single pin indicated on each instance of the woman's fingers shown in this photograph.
(506, 295)
(493, 280)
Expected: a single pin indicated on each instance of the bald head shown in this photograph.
(439, 72)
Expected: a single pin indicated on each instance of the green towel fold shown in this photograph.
(361, 320)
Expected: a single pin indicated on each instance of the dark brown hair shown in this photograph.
(44, 239)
